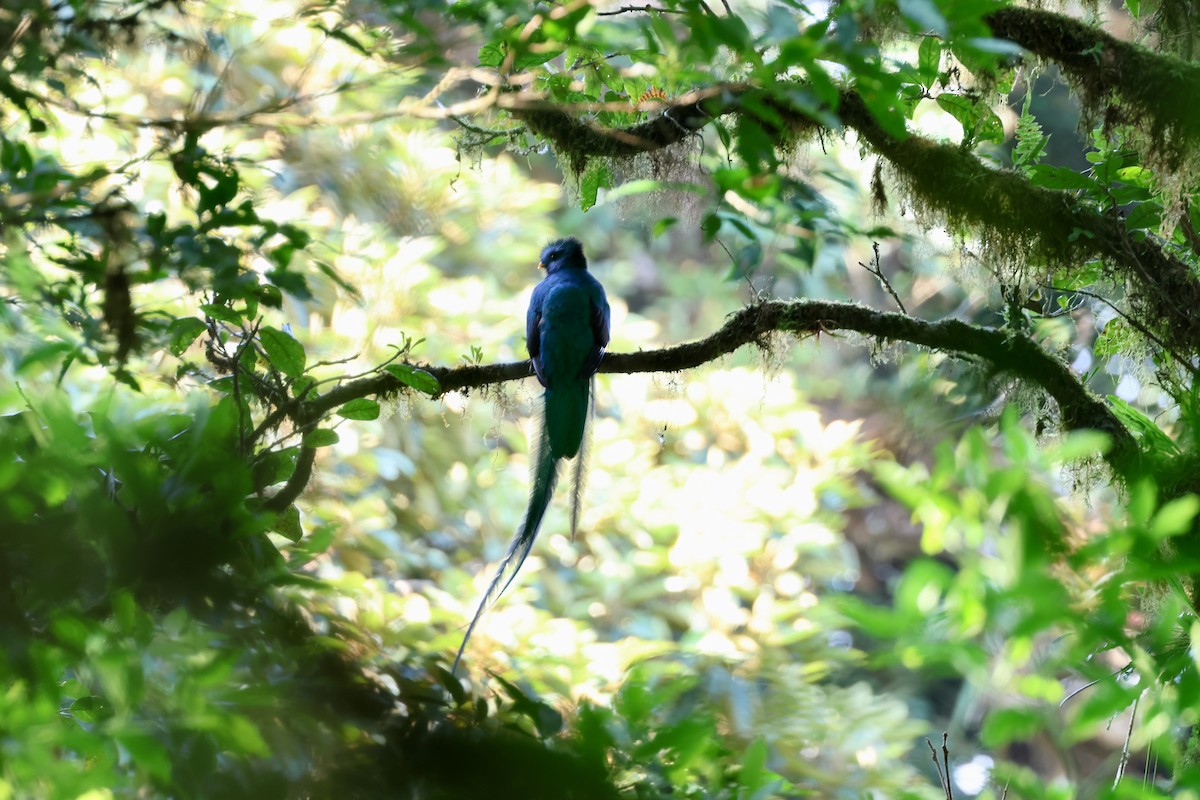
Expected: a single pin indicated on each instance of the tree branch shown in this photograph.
(1019, 219)
(1101, 66)
(1005, 352)
(643, 9)
(1031, 221)
(299, 479)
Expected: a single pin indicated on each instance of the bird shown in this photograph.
(566, 333)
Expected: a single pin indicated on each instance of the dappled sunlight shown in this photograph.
(936, 472)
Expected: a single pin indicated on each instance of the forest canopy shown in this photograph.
(893, 486)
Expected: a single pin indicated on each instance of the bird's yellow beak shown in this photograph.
(541, 265)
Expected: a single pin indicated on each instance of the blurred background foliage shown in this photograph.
(796, 562)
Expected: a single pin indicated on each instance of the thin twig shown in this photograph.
(753, 291)
(876, 270)
(1128, 738)
(1133, 323)
(237, 392)
(646, 9)
(494, 133)
(19, 31)
(1090, 684)
(946, 758)
(943, 779)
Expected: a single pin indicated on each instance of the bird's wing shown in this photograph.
(601, 318)
(600, 321)
(533, 333)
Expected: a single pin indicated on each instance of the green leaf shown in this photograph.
(281, 256)
(302, 386)
(1142, 427)
(924, 16)
(92, 708)
(1115, 337)
(342, 283)
(451, 684)
(746, 259)
(418, 379)
(929, 58)
(646, 185)
(222, 312)
(661, 226)
(241, 736)
(1010, 724)
(321, 437)
(1144, 216)
(71, 631)
(270, 296)
(989, 128)
(1083, 444)
(597, 177)
(226, 188)
(961, 108)
(531, 58)
(754, 145)
(360, 408)
(275, 467)
(146, 752)
(1031, 141)
(754, 774)
(287, 524)
(293, 283)
(1175, 518)
(41, 353)
(979, 122)
(1143, 497)
(183, 332)
(547, 720)
(1050, 177)
(1138, 176)
(283, 352)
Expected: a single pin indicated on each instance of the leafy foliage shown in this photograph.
(242, 520)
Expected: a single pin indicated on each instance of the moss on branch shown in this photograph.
(1155, 91)
(1040, 223)
(1005, 352)
(1017, 220)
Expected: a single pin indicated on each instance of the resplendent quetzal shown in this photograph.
(566, 332)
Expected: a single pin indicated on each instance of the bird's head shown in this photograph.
(562, 254)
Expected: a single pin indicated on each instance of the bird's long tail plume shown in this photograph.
(579, 478)
(545, 475)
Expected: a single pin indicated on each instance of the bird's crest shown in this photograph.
(563, 253)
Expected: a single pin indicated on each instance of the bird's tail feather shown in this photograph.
(579, 479)
(545, 476)
(566, 417)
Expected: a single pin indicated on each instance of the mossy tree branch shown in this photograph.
(1002, 351)
(1012, 213)
(1037, 222)
(1151, 86)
